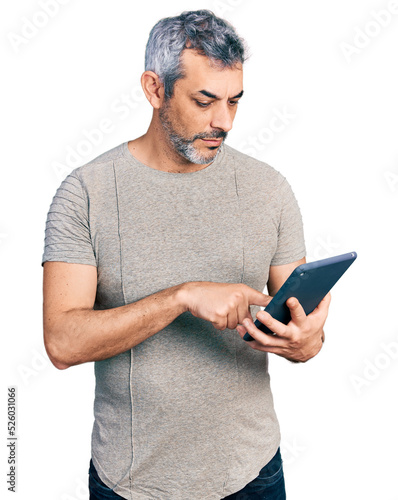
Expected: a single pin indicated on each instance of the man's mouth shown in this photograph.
(212, 142)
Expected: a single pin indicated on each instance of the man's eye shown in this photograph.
(233, 103)
(203, 104)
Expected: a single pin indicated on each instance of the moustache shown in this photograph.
(216, 134)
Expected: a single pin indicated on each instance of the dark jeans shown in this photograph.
(268, 485)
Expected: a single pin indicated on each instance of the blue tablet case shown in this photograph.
(309, 283)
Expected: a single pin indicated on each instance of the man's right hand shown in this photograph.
(225, 305)
(75, 333)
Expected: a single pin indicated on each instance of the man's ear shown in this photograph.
(153, 88)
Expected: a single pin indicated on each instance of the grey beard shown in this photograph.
(185, 146)
(187, 150)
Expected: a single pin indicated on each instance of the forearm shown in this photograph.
(80, 335)
(75, 333)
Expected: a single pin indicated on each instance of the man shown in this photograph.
(155, 251)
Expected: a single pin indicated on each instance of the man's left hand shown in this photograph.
(298, 341)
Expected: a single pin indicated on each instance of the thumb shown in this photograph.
(297, 312)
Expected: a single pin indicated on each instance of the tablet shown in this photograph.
(309, 283)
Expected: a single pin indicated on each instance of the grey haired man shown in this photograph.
(156, 255)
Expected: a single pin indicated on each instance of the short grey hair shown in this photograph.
(199, 30)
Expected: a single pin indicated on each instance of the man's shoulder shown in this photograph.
(103, 161)
(248, 165)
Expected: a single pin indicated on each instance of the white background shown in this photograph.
(331, 68)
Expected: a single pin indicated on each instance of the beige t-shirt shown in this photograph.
(188, 413)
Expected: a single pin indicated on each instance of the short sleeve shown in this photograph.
(291, 245)
(67, 234)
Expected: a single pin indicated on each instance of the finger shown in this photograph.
(220, 324)
(264, 344)
(243, 311)
(232, 319)
(257, 298)
(274, 325)
(321, 311)
(262, 338)
(324, 304)
(241, 330)
(297, 312)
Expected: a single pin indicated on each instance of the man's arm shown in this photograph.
(302, 338)
(279, 274)
(74, 333)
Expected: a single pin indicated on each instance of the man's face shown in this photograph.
(201, 111)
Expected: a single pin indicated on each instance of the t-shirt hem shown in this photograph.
(253, 476)
(280, 261)
(69, 260)
(131, 493)
(120, 490)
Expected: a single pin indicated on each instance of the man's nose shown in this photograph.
(223, 118)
